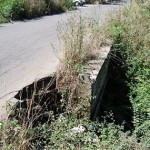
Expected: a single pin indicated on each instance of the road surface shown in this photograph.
(26, 53)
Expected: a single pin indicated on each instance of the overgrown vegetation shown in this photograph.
(20, 9)
(129, 35)
(78, 40)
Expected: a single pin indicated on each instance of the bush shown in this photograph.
(34, 8)
(67, 4)
(13, 9)
(20, 9)
(130, 36)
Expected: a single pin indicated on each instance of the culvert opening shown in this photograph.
(39, 102)
(115, 101)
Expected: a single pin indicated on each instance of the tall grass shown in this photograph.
(129, 35)
(79, 40)
(20, 9)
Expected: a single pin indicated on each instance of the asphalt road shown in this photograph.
(26, 53)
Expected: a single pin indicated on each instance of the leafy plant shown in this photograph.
(129, 35)
(12, 9)
(20, 9)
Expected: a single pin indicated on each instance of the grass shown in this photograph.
(21, 9)
(129, 35)
(23, 134)
(79, 42)
(2, 19)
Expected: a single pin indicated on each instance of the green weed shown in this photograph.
(21, 9)
(129, 34)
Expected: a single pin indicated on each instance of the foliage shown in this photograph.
(67, 4)
(94, 1)
(130, 35)
(12, 9)
(79, 42)
(20, 9)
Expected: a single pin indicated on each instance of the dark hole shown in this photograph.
(115, 99)
(37, 101)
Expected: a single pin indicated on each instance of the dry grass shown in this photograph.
(79, 39)
(21, 9)
(19, 131)
(136, 27)
(35, 7)
(41, 7)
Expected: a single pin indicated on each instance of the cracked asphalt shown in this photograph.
(26, 53)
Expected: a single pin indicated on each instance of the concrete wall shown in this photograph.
(98, 88)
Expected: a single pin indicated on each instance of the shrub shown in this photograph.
(67, 4)
(20, 9)
(130, 35)
(13, 9)
(34, 8)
